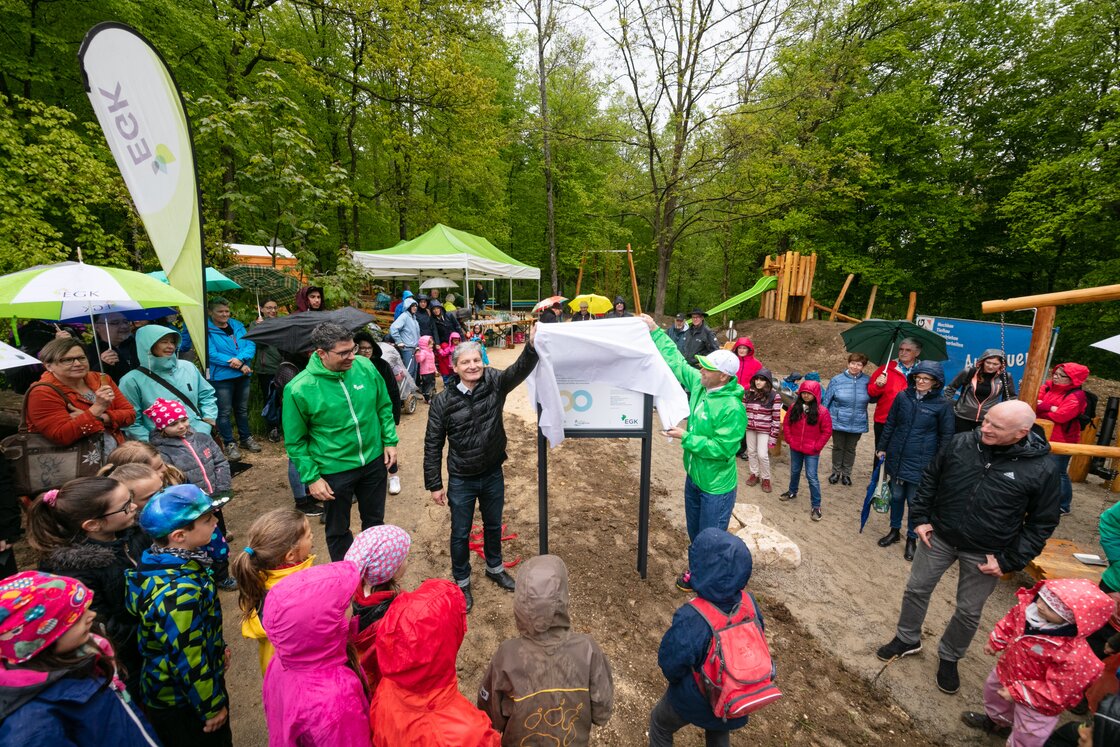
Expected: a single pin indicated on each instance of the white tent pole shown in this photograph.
(466, 288)
(511, 295)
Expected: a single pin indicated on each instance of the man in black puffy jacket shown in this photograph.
(988, 502)
(468, 415)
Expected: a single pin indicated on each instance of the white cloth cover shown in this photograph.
(619, 352)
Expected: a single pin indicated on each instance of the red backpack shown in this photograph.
(737, 675)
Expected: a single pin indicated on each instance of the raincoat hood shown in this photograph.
(149, 335)
(740, 342)
(992, 353)
(420, 636)
(720, 564)
(812, 387)
(406, 295)
(305, 615)
(929, 368)
(1075, 371)
(1090, 606)
(619, 300)
(408, 303)
(540, 603)
(425, 342)
(764, 373)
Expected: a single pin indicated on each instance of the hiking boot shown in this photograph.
(752, 480)
(815, 514)
(310, 507)
(467, 596)
(890, 538)
(766, 486)
(229, 583)
(898, 648)
(394, 485)
(251, 445)
(981, 721)
(948, 681)
(684, 582)
(845, 479)
(911, 546)
(502, 579)
(787, 496)
(274, 435)
(834, 478)
(232, 452)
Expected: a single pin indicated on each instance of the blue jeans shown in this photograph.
(902, 494)
(490, 491)
(1066, 485)
(797, 460)
(299, 490)
(408, 361)
(704, 510)
(233, 399)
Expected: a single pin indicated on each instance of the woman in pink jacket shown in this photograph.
(1061, 400)
(313, 695)
(807, 428)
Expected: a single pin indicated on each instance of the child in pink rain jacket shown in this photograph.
(807, 428)
(312, 694)
(426, 366)
(443, 356)
(1046, 664)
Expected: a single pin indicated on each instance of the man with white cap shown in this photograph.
(716, 424)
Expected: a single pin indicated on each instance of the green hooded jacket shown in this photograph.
(717, 421)
(336, 421)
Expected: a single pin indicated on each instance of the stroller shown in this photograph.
(406, 383)
(788, 388)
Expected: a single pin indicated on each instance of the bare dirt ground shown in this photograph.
(824, 620)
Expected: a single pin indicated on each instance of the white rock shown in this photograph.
(747, 514)
(769, 547)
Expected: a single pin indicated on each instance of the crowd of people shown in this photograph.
(350, 657)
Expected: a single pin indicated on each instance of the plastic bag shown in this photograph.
(881, 500)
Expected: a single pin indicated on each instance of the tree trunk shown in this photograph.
(543, 32)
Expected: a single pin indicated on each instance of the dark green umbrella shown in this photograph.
(292, 333)
(268, 282)
(878, 339)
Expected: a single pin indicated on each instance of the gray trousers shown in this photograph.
(973, 590)
(664, 722)
(844, 452)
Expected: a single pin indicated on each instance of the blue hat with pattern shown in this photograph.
(174, 507)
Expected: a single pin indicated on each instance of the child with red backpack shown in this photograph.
(707, 689)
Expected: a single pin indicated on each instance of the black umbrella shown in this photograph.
(292, 333)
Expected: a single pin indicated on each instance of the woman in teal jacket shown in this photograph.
(155, 347)
(230, 356)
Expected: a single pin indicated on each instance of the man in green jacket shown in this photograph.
(339, 433)
(716, 423)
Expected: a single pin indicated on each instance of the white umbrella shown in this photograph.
(1112, 344)
(438, 283)
(14, 357)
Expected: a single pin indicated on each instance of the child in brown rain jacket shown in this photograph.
(548, 669)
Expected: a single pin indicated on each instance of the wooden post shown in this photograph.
(871, 302)
(839, 299)
(634, 281)
(1035, 371)
(910, 308)
(1115, 464)
(1061, 298)
(1079, 465)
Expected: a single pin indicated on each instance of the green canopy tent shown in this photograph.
(448, 252)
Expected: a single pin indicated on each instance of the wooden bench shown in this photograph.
(1056, 561)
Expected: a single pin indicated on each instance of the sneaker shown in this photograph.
(948, 681)
(232, 452)
(766, 486)
(251, 445)
(815, 514)
(981, 721)
(1063, 511)
(229, 583)
(845, 479)
(898, 648)
(752, 480)
(834, 478)
(787, 496)
(311, 507)
(684, 582)
(274, 435)
(394, 485)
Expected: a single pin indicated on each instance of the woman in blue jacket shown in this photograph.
(229, 356)
(846, 400)
(919, 423)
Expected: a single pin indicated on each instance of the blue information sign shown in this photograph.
(965, 339)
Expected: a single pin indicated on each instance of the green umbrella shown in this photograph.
(265, 281)
(215, 281)
(879, 338)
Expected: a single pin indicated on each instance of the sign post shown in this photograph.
(597, 410)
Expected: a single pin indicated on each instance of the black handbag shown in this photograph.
(39, 464)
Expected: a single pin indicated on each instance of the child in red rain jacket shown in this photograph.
(1062, 401)
(443, 356)
(1046, 664)
(807, 428)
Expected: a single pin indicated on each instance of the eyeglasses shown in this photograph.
(127, 508)
(71, 361)
(348, 353)
(924, 378)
